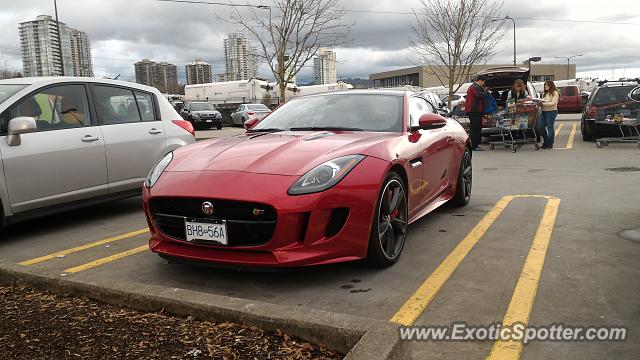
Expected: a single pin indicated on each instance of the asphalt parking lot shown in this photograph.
(550, 236)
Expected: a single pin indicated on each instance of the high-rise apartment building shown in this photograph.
(162, 75)
(80, 53)
(324, 67)
(240, 57)
(198, 72)
(41, 45)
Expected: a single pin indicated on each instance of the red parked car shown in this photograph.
(324, 178)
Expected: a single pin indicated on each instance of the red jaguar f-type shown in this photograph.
(323, 179)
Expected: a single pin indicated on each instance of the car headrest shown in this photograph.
(30, 107)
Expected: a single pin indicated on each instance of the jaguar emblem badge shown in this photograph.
(207, 208)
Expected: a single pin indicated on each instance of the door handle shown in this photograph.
(89, 138)
(416, 163)
(155, 131)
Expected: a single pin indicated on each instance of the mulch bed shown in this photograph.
(40, 325)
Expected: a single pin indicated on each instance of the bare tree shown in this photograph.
(291, 32)
(453, 36)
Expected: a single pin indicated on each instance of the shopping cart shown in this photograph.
(624, 116)
(516, 127)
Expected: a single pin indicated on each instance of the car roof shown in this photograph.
(49, 80)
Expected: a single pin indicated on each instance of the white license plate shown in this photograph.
(214, 231)
(209, 120)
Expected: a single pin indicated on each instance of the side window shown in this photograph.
(116, 105)
(145, 106)
(55, 108)
(570, 91)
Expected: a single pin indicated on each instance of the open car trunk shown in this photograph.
(501, 78)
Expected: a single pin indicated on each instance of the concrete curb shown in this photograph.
(358, 338)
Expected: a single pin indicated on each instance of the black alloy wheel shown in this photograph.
(465, 180)
(389, 227)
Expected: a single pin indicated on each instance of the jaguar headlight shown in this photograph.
(157, 170)
(325, 176)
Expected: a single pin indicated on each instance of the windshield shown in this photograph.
(6, 91)
(202, 107)
(367, 112)
(611, 95)
(259, 107)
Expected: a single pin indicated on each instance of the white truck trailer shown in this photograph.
(230, 94)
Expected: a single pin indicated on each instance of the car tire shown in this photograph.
(587, 132)
(464, 181)
(219, 127)
(389, 223)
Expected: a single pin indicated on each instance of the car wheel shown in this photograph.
(465, 180)
(587, 133)
(389, 225)
(219, 127)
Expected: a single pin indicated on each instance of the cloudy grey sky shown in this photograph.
(125, 31)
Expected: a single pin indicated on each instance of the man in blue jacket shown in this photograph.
(474, 105)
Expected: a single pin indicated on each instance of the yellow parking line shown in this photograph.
(559, 128)
(83, 247)
(572, 136)
(106, 260)
(527, 286)
(418, 302)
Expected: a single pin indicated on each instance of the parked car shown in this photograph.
(66, 142)
(605, 96)
(177, 105)
(202, 115)
(325, 178)
(434, 100)
(571, 100)
(247, 112)
(457, 103)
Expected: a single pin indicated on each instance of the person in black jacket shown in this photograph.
(476, 95)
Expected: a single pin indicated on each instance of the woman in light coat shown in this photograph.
(550, 99)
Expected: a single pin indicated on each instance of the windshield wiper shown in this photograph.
(329, 128)
(266, 130)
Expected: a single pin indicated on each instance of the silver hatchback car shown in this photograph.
(67, 142)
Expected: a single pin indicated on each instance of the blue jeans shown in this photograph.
(547, 120)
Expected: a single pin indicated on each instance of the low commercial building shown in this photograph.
(424, 75)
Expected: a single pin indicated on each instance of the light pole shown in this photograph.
(534, 59)
(568, 60)
(55, 6)
(514, 35)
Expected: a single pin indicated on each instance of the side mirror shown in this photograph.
(18, 126)
(431, 121)
(251, 123)
(635, 94)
